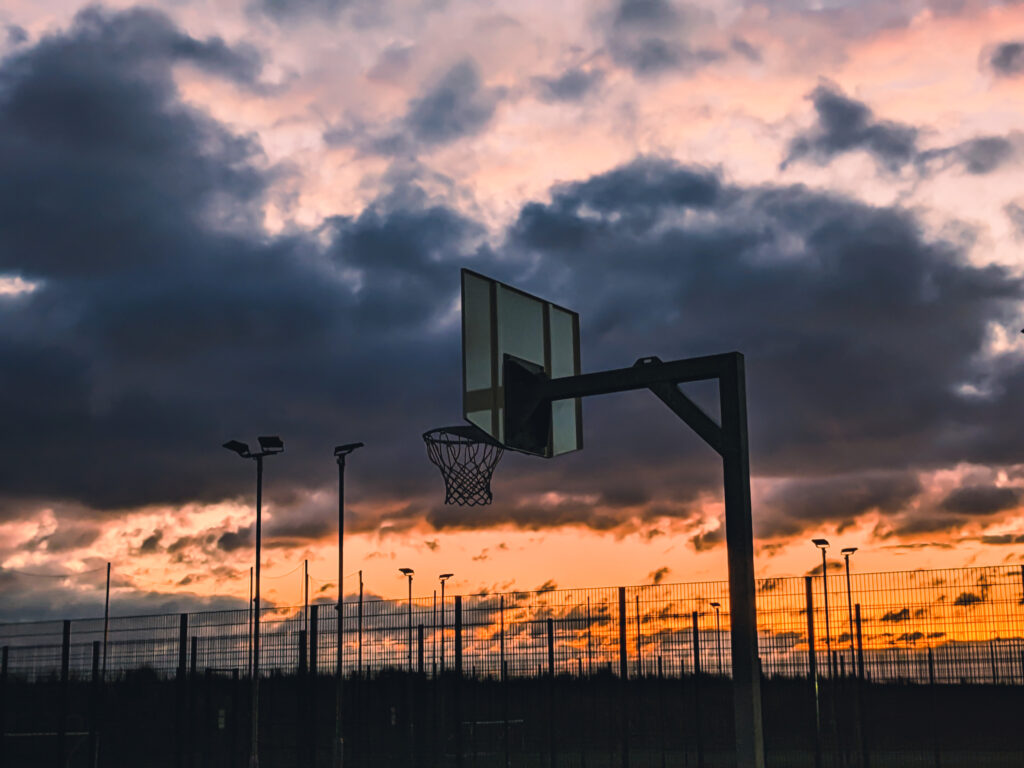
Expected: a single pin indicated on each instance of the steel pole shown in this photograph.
(718, 637)
(849, 607)
(106, 625)
(828, 632)
(739, 539)
(410, 622)
(339, 733)
(442, 625)
(254, 747)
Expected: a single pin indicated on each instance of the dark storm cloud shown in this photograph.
(859, 332)
(650, 37)
(1006, 59)
(981, 500)
(161, 326)
(166, 321)
(571, 85)
(847, 125)
(800, 504)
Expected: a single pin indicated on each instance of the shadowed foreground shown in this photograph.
(398, 719)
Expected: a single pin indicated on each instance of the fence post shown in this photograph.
(935, 728)
(457, 704)
(359, 630)
(623, 670)
(94, 746)
(303, 663)
(861, 725)
(551, 692)
(4, 659)
(419, 648)
(314, 639)
(623, 677)
(696, 690)
(812, 667)
(179, 714)
(65, 672)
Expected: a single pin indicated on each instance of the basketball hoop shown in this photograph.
(466, 456)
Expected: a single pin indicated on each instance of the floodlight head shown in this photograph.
(238, 447)
(407, 571)
(346, 449)
(820, 543)
(847, 551)
(445, 576)
(271, 444)
(715, 605)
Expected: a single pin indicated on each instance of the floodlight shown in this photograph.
(444, 576)
(823, 543)
(407, 571)
(346, 449)
(238, 447)
(847, 550)
(715, 605)
(271, 443)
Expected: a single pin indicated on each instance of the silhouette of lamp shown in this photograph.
(408, 573)
(822, 544)
(269, 445)
(846, 552)
(443, 578)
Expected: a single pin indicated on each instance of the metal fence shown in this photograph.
(948, 626)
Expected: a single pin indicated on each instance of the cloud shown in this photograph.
(895, 616)
(967, 599)
(573, 84)
(361, 13)
(977, 156)
(456, 106)
(846, 125)
(242, 538)
(151, 543)
(796, 505)
(1005, 59)
(981, 500)
(658, 576)
(651, 37)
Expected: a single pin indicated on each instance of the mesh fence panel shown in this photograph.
(970, 621)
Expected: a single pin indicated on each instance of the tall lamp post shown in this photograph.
(443, 578)
(718, 634)
(269, 445)
(846, 552)
(409, 572)
(340, 452)
(822, 544)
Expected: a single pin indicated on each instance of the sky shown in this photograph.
(228, 218)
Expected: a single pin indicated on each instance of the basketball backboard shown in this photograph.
(498, 321)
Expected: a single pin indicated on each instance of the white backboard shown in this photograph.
(499, 319)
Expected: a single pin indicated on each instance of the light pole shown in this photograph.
(718, 634)
(846, 552)
(822, 544)
(340, 452)
(409, 572)
(443, 578)
(269, 445)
